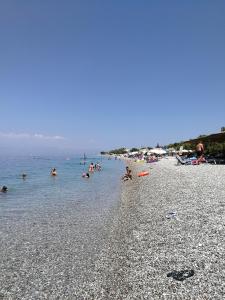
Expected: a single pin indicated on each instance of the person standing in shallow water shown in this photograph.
(91, 167)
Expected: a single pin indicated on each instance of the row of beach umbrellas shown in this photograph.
(160, 151)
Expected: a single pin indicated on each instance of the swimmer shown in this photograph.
(98, 167)
(85, 175)
(24, 176)
(91, 167)
(53, 172)
(4, 189)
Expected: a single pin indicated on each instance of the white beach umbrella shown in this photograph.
(133, 153)
(159, 151)
(184, 151)
(143, 150)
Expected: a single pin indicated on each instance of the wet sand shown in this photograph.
(130, 256)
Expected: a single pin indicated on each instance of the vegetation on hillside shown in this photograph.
(214, 144)
(115, 151)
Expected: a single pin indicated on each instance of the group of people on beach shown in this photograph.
(92, 167)
(96, 167)
(128, 174)
(193, 158)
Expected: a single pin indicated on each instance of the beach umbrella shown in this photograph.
(158, 151)
(184, 151)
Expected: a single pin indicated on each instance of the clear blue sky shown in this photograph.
(105, 74)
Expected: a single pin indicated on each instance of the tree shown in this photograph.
(134, 149)
(103, 152)
(118, 151)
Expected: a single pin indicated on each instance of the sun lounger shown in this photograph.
(190, 161)
(183, 161)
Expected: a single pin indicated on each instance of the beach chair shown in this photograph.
(182, 161)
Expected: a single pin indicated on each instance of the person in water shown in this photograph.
(4, 189)
(86, 175)
(98, 166)
(24, 176)
(53, 172)
(91, 167)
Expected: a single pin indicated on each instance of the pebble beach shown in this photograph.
(146, 244)
(171, 220)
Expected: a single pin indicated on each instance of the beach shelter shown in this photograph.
(158, 151)
(184, 151)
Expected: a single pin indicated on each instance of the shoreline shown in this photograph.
(130, 253)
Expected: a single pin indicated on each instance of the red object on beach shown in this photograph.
(143, 173)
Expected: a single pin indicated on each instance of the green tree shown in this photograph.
(134, 149)
(118, 151)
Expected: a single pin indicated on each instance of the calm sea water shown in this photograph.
(53, 229)
(42, 193)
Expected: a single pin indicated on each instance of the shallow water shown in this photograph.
(40, 190)
(53, 225)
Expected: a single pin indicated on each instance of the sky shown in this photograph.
(81, 75)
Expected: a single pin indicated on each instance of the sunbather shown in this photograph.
(127, 175)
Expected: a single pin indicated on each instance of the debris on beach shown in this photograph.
(171, 215)
(181, 275)
(143, 173)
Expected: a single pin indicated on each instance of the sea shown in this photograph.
(44, 193)
(53, 226)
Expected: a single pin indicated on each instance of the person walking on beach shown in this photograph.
(199, 151)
